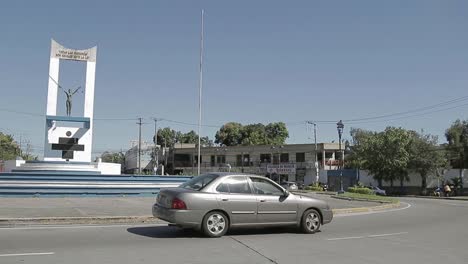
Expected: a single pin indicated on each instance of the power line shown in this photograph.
(373, 119)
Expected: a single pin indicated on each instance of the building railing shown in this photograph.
(300, 165)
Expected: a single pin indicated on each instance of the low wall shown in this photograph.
(73, 184)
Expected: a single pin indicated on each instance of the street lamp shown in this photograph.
(340, 127)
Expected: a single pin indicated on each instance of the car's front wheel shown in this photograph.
(215, 224)
(311, 221)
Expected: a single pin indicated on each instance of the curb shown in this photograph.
(360, 199)
(365, 209)
(438, 198)
(79, 220)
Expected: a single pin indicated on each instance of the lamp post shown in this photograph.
(340, 127)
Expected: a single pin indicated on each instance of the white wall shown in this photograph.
(109, 168)
(415, 180)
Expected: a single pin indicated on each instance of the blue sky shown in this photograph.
(265, 61)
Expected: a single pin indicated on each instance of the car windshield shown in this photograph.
(199, 182)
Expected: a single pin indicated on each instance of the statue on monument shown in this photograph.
(69, 95)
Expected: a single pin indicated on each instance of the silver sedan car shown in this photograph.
(213, 203)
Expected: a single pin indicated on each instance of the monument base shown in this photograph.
(63, 166)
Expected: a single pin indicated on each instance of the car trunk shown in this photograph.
(166, 196)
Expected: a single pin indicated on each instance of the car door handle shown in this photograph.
(225, 200)
(262, 201)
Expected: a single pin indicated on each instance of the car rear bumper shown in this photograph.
(327, 215)
(184, 218)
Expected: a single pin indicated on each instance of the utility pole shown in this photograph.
(156, 152)
(200, 85)
(139, 144)
(316, 157)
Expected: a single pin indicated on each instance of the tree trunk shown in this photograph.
(401, 185)
(423, 184)
(391, 185)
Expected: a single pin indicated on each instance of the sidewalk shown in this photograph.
(100, 209)
(455, 198)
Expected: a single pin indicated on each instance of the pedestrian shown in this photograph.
(447, 190)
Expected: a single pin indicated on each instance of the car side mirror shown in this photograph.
(286, 193)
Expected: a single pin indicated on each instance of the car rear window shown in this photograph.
(199, 182)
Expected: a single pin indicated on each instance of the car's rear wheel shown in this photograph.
(215, 224)
(311, 221)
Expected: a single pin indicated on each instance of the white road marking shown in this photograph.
(391, 234)
(344, 238)
(369, 236)
(374, 212)
(27, 254)
(74, 226)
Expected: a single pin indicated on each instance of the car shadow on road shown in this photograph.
(176, 232)
(164, 232)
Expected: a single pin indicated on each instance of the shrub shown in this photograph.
(314, 187)
(361, 190)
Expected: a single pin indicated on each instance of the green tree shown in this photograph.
(113, 157)
(426, 157)
(168, 137)
(385, 154)
(277, 133)
(230, 134)
(233, 134)
(395, 148)
(457, 137)
(357, 147)
(189, 138)
(254, 134)
(9, 149)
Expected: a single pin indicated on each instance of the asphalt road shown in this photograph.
(429, 231)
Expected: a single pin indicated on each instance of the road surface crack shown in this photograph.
(254, 250)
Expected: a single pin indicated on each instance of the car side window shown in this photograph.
(262, 186)
(235, 185)
(222, 188)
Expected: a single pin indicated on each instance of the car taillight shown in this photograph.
(178, 204)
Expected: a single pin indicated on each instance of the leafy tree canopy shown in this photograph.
(168, 137)
(233, 134)
(9, 149)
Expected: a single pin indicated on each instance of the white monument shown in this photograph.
(69, 138)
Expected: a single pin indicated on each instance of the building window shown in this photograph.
(221, 159)
(328, 155)
(195, 160)
(246, 160)
(238, 160)
(300, 157)
(265, 158)
(212, 160)
(276, 158)
(284, 157)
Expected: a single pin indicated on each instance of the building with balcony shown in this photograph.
(294, 162)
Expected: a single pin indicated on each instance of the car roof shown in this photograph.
(225, 174)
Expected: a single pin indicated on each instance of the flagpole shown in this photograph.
(200, 92)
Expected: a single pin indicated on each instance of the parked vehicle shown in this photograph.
(300, 185)
(213, 203)
(292, 186)
(377, 190)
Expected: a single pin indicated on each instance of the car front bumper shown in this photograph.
(183, 218)
(327, 215)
